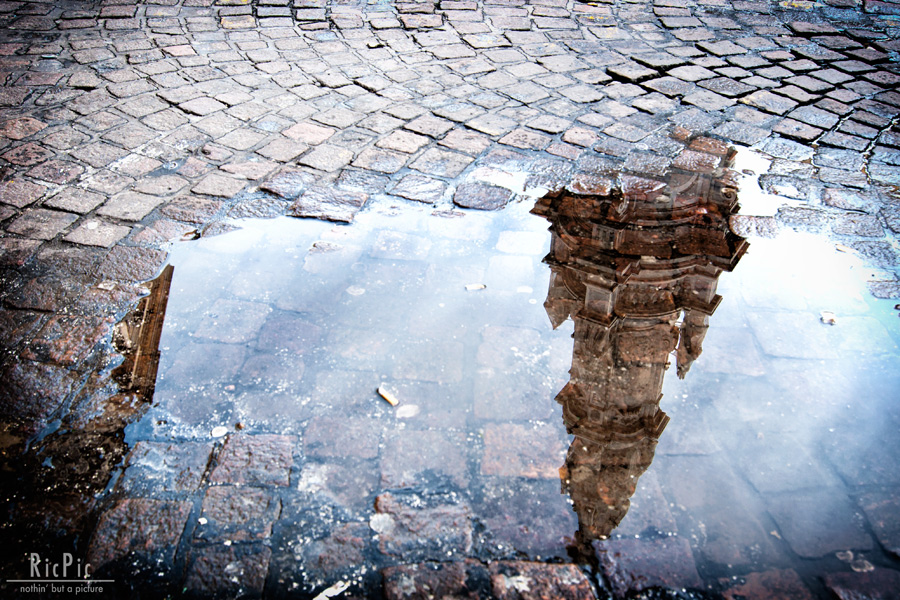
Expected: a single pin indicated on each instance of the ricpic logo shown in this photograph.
(57, 575)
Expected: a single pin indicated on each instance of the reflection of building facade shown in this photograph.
(636, 270)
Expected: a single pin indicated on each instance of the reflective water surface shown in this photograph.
(638, 386)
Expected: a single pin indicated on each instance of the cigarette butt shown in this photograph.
(391, 399)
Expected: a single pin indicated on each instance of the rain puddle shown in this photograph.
(638, 390)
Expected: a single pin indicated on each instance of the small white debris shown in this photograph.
(219, 431)
(339, 588)
(471, 287)
(407, 410)
(355, 290)
(202, 521)
(107, 285)
(828, 317)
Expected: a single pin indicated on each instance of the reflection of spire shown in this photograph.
(137, 338)
(636, 269)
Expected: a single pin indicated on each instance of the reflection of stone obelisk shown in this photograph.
(636, 268)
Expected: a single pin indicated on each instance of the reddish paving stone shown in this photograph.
(192, 209)
(147, 528)
(327, 158)
(19, 193)
(769, 585)
(283, 333)
(413, 531)
(441, 163)
(236, 571)
(328, 203)
(237, 513)
(66, 339)
(881, 584)
(340, 438)
(882, 508)
(481, 196)
(42, 224)
(342, 550)
(818, 523)
(255, 460)
(27, 155)
(638, 564)
(97, 233)
(515, 450)
(129, 206)
(131, 264)
(218, 185)
(468, 580)
(155, 466)
(19, 129)
(413, 457)
(232, 321)
(288, 183)
(32, 392)
(538, 581)
(420, 188)
(75, 200)
(378, 159)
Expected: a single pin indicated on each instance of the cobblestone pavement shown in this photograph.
(126, 125)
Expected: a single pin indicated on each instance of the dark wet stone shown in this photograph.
(881, 254)
(849, 200)
(412, 458)
(289, 183)
(769, 584)
(342, 550)
(345, 483)
(66, 339)
(237, 513)
(191, 209)
(227, 571)
(131, 264)
(819, 522)
(232, 321)
(529, 516)
(255, 460)
(154, 466)
(20, 193)
(880, 584)
(32, 392)
(412, 529)
(882, 509)
(481, 196)
(538, 581)
(329, 204)
(148, 528)
(468, 580)
(638, 564)
(340, 438)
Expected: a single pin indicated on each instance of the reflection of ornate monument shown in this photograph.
(636, 269)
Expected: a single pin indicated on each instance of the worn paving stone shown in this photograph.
(881, 584)
(42, 224)
(145, 527)
(881, 511)
(412, 531)
(420, 188)
(638, 564)
(817, 523)
(514, 450)
(769, 584)
(154, 466)
(481, 196)
(329, 204)
(255, 460)
(412, 458)
(533, 580)
(228, 571)
(237, 513)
